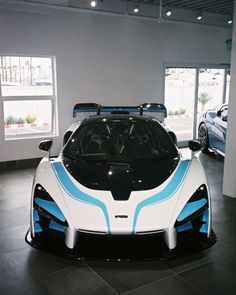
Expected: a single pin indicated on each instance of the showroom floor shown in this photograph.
(24, 270)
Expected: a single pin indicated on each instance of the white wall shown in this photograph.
(229, 183)
(104, 58)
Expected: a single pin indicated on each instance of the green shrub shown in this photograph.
(10, 120)
(204, 98)
(30, 119)
(20, 121)
(182, 111)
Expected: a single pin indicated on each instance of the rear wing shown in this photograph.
(98, 109)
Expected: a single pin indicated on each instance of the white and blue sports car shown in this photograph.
(120, 174)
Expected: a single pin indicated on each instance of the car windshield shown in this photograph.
(120, 141)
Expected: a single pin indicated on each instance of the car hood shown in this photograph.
(121, 178)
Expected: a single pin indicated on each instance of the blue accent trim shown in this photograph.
(204, 228)
(108, 109)
(206, 216)
(130, 109)
(205, 219)
(121, 108)
(50, 207)
(190, 208)
(37, 228)
(154, 110)
(35, 215)
(56, 226)
(85, 110)
(188, 225)
(76, 193)
(167, 192)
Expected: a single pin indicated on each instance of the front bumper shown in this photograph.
(122, 247)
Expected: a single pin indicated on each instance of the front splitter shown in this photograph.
(122, 248)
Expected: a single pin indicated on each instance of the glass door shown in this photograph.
(210, 89)
(179, 101)
(227, 85)
(188, 93)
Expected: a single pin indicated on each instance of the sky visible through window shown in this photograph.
(28, 94)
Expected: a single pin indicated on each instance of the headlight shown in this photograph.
(195, 213)
(46, 213)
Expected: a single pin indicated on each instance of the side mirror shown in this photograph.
(194, 145)
(225, 118)
(218, 114)
(45, 145)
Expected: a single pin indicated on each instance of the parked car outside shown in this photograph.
(212, 130)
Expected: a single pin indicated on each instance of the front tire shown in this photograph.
(203, 137)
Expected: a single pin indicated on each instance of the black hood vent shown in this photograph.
(120, 179)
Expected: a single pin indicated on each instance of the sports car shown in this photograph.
(120, 173)
(212, 129)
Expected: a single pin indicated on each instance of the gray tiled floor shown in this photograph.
(24, 270)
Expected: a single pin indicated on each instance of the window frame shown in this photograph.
(196, 66)
(52, 98)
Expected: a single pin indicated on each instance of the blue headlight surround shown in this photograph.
(195, 214)
(46, 213)
(192, 209)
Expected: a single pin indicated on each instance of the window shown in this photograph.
(189, 91)
(28, 96)
(179, 101)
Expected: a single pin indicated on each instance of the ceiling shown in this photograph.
(218, 11)
(225, 7)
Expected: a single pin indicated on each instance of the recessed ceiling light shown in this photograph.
(199, 17)
(93, 3)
